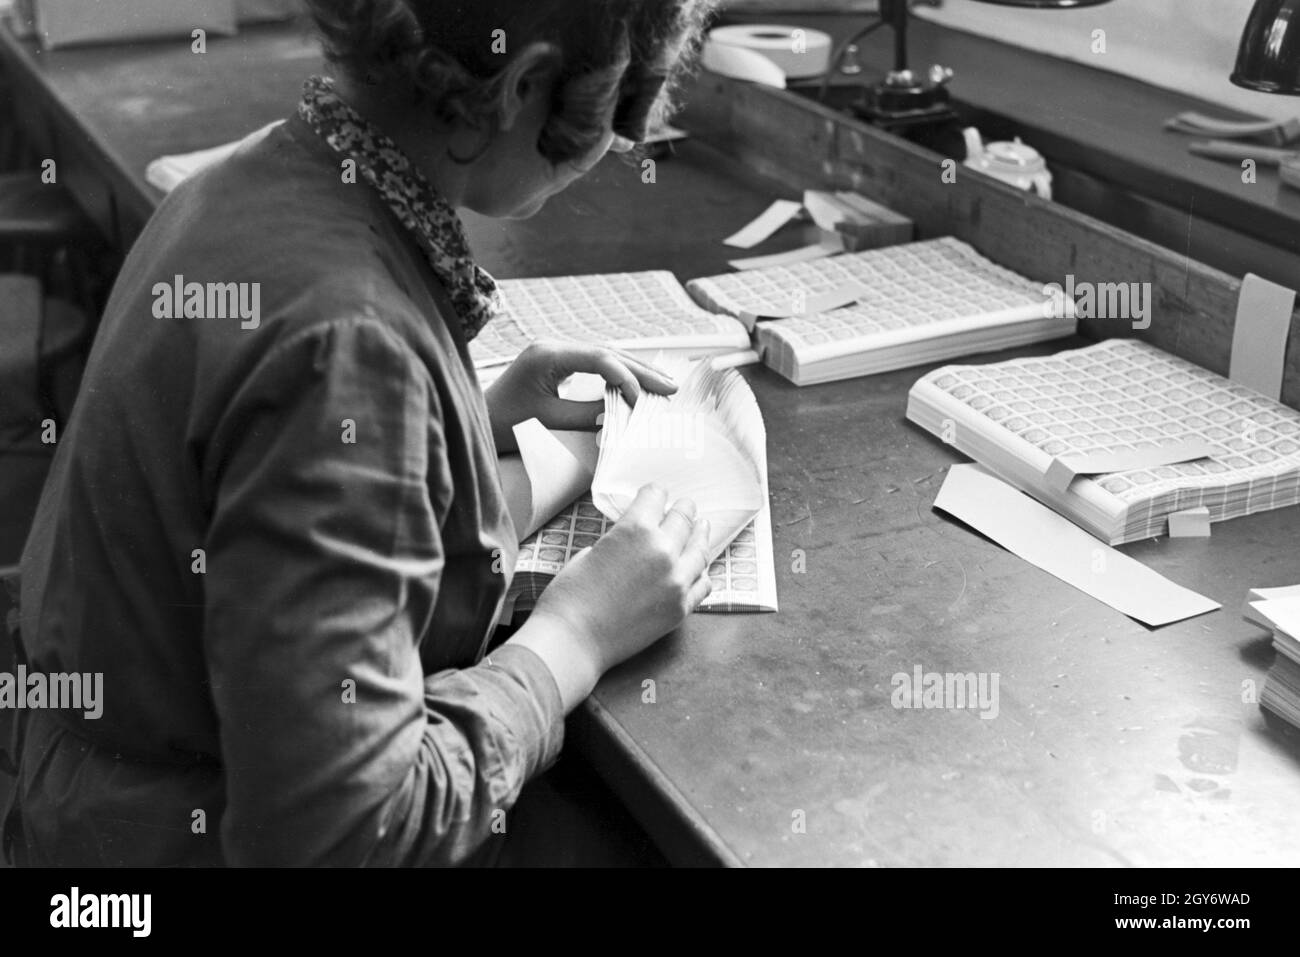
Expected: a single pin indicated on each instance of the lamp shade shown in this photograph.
(1268, 59)
(1046, 4)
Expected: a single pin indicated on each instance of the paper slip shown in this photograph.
(1041, 537)
(734, 360)
(1261, 595)
(550, 471)
(802, 304)
(1259, 336)
(765, 224)
(826, 211)
(1066, 469)
(1277, 131)
(829, 246)
(1280, 614)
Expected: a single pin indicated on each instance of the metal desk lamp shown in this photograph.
(904, 99)
(1268, 60)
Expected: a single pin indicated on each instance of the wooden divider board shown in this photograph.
(790, 138)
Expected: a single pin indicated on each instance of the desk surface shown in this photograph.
(1113, 744)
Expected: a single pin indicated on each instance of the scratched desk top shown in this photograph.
(773, 739)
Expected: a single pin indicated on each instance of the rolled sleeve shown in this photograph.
(324, 561)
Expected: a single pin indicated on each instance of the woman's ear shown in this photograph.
(529, 77)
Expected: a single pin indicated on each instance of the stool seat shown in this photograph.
(35, 212)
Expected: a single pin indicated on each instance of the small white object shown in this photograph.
(1015, 163)
(1190, 523)
(831, 244)
(799, 53)
(765, 224)
(741, 64)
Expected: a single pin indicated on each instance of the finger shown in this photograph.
(648, 506)
(695, 553)
(563, 414)
(701, 590)
(679, 523)
(651, 377)
(603, 363)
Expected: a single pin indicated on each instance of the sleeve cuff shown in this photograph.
(542, 716)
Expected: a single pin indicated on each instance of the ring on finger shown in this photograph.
(690, 519)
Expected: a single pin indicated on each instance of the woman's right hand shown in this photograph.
(636, 584)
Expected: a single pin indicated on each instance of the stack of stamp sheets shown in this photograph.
(900, 306)
(646, 313)
(1278, 609)
(744, 575)
(1036, 422)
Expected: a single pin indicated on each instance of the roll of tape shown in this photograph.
(799, 52)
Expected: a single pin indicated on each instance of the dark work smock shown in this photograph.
(284, 548)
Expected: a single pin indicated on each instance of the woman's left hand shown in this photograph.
(530, 387)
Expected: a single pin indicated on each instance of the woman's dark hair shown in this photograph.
(619, 55)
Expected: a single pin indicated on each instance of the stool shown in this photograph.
(44, 343)
(38, 222)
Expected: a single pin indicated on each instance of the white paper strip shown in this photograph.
(836, 298)
(1282, 131)
(829, 246)
(550, 471)
(1256, 595)
(1041, 537)
(734, 360)
(1064, 470)
(765, 224)
(1280, 614)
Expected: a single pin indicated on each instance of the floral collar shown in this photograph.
(416, 204)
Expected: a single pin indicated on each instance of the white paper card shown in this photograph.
(1066, 469)
(1041, 537)
(550, 471)
(1259, 337)
(765, 224)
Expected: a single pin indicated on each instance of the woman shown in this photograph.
(278, 530)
